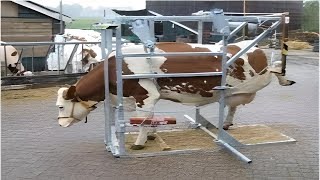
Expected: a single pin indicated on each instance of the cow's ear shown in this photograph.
(70, 93)
(92, 53)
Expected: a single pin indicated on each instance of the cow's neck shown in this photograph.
(91, 85)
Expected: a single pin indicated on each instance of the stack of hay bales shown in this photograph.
(309, 37)
(298, 45)
(303, 40)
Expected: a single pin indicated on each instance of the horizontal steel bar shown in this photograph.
(170, 75)
(206, 18)
(235, 31)
(174, 54)
(45, 43)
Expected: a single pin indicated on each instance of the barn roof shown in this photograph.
(43, 10)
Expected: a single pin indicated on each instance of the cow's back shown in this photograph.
(248, 74)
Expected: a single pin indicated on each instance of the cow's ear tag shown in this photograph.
(70, 94)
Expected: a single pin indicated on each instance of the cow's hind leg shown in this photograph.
(232, 102)
(146, 109)
(229, 119)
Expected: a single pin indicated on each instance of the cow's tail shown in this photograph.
(276, 69)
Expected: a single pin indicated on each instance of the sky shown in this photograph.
(133, 4)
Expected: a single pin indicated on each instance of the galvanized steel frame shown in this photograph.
(115, 135)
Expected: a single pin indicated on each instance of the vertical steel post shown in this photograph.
(223, 83)
(284, 39)
(109, 40)
(32, 68)
(120, 124)
(151, 28)
(59, 58)
(105, 39)
(223, 137)
(5, 60)
(60, 17)
(200, 31)
(197, 114)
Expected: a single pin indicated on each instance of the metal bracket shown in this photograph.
(141, 28)
(220, 25)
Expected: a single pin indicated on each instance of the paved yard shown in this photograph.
(35, 147)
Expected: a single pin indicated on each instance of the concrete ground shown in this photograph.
(35, 147)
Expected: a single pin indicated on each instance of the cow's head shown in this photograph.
(87, 54)
(71, 108)
(12, 58)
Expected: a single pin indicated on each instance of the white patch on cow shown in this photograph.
(174, 89)
(129, 103)
(142, 64)
(205, 81)
(158, 61)
(190, 99)
(166, 87)
(153, 97)
(250, 85)
(211, 47)
(190, 86)
(243, 44)
(71, 112)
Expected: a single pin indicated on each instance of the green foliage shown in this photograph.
(83, 23)
(311, 16)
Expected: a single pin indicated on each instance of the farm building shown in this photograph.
(26, 21)
(184, 8)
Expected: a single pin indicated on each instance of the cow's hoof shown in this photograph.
(137, 147)
(226, 126)
(151, 137)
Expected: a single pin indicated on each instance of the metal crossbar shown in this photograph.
(168, 75)
(173, 54)
(125, 19)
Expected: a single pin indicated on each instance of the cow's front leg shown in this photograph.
(229, 119)
(142, 138)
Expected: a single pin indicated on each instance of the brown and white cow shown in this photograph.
(245, 77)
(10, 54)
(89, 60)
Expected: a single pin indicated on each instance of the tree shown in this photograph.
(311, 15)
